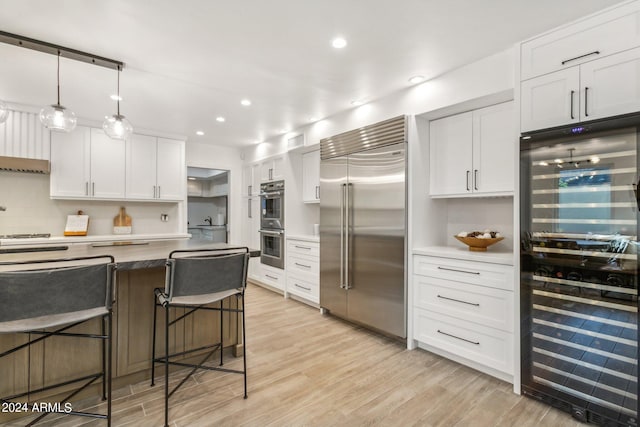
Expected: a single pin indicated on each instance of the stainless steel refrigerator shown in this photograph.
(363, 226)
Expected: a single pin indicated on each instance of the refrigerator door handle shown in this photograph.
(342, 284)
(347, 211)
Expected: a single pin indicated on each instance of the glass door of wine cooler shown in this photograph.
(579, 273)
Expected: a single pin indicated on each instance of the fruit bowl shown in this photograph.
(478, 244)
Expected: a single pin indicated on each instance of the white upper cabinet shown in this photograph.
(604, 34)
(272, 169)
(87, 164)
(471, 154)
(171, 175)
(251, 180)
(584, 71)
(155, 168)
(311, 177)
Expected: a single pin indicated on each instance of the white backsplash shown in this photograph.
(478, 214)
(30, 210)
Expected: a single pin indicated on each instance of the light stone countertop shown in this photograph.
(64, 240)
(303, 237)
(494, 257)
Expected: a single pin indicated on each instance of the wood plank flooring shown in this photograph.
(306, 369)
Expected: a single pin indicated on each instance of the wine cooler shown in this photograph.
(579, 269)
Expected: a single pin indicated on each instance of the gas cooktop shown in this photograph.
(25, 236)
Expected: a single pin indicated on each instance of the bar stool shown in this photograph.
(59, 294)
(195, 279)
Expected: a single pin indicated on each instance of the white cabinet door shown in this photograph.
(247, 180)
(450, 140)
(610, 86)
(494, 145)
(171, 171)
(278, 169)
(311, 177)
(141, 167)
(272, 169)
(266, 170)
(550, 100)
(70, 163)
(107, 166)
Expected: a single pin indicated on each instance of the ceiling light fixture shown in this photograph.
(220, 119)
(117, 126)
(416, 79)
(57, 117)
(199, 133)
(115, 97)
(4, 111)
(357, 103)
(245, 102)
(338, 43)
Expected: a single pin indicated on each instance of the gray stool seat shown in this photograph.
(60, 294)
(196, 280)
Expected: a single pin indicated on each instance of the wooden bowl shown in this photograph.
(478, 245)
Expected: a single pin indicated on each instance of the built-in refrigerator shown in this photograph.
(362, 226)
(579, 269)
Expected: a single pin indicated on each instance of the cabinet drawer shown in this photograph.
(474, 342)
(477, 273)
(303, 247)
(486, 306)
(607, 33)
(273, 277)
(304, 265)
(303, 288)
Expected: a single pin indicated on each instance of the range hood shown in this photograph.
(20, 164)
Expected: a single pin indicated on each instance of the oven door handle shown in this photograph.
(271, 232)
(271, 193)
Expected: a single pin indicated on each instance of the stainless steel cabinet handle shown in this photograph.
(86, 188)
(270, 174)
(159, 191)
(459, 271)
(342, 284)
(475, 179)
(271, 277)
(595, 52)
(302, 287)
(586, 99)
(317, 192)
(468, 173)
(249, 208)
(573, 92)
(458, 338)
(302, 247)
(302, 265)
(154, 191)
(459, 300)
(248, 190)
(93, 188)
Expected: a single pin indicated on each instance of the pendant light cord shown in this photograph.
(118, 90)
(58, 77)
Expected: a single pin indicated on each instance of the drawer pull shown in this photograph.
(459, 300)
(302, 247)
(459, 271)
(458, 338)
(302, 287)
(271, 277)
(595, 52)
(302, 265)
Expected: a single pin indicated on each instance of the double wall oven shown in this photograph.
(272, 223)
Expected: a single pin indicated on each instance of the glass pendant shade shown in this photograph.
(56, 117)
(4, 112)
(117, 127)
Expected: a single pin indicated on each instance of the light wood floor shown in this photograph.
(306, 369)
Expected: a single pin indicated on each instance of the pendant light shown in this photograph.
(4, 111)
(117, 126)
(57, 117)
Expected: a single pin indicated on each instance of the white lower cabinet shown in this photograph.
(303, 269)
(272, 276)
(465, 310)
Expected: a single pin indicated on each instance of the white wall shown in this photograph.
(210, 156)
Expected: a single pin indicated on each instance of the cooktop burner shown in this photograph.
(25, 236)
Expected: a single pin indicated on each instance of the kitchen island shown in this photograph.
(140, 270)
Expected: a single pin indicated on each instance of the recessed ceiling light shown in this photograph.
(357, 102)
(245, 102)
(116, 97)
(199, 133)
(338, 42)
(191, 178)
(416, 79)
(220, 119)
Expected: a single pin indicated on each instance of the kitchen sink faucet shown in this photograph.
(209, 220)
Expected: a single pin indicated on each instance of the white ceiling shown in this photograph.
(189, 61)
